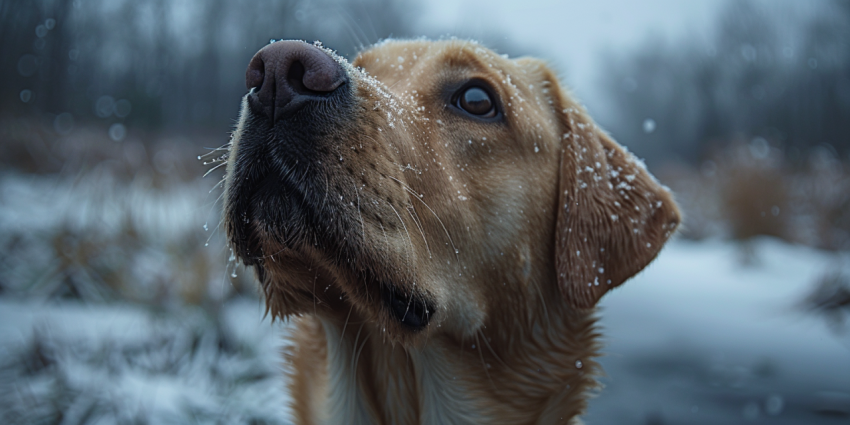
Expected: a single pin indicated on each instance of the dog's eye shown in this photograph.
(477, 101)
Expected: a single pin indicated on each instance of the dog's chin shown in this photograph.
(267, 225)
(302, 273)
(295, 286)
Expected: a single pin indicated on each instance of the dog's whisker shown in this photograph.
(483, 363)
(219, 184)
(222, 159)
(386, 239)
(407, 307)
(220, 221)
(419, 197)
(315, 297)
(325, 197)
(345, 325)
(542, 301)
(353, 29)
(366, 136)
(215, 168)
(362, 226)
(274, 253)
(223, 148)
(372, 28)
(389, 87)
(419, 226)
(493, 352)
(224, 277)
(411, 250)
(360, 350)
(355, 359)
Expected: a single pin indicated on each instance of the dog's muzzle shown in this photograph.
(298, 93)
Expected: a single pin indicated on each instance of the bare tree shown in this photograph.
(759, 76)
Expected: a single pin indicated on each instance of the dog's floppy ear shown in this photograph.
(613, 215)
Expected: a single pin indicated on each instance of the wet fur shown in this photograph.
(506, 232)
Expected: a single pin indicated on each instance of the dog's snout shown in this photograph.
(284, 74)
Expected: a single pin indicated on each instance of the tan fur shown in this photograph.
(514, 229)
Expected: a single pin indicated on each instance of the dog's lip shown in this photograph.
(413, 312)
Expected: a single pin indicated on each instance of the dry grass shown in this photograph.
(91, 218)
(749, 189)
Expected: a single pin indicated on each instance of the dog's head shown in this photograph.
(431, 187)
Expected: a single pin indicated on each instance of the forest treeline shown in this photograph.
(161, 64)
(765, 71)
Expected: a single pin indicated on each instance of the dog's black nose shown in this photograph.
(284, 74)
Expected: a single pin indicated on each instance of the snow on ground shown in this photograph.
(65, 362)
(714, 332)
(709, 333)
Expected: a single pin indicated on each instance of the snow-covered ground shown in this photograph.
(105, 364)
(715, 332)
(711, 332)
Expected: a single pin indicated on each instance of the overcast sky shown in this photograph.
(574, 34)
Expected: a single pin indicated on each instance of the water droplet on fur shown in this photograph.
(578, 364)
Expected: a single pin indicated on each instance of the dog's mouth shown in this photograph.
(412, 311)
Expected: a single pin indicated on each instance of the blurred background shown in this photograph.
(119, 302)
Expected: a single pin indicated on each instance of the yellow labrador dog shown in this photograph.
(439, 222)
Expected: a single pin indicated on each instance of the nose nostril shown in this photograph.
(255, 79)
(255, 74)
(295, 77)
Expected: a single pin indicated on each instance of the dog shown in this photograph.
(438, 221)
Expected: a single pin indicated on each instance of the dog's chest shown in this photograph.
(373, 382)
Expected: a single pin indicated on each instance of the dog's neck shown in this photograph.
(547, 370)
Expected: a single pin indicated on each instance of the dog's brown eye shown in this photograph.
(476, 101)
